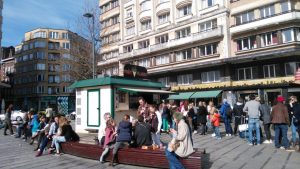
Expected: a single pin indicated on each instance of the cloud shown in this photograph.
(20, 16)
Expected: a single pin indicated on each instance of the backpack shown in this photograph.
(228, 112)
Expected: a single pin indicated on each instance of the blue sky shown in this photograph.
(20, 16)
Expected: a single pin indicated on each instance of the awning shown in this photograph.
(206, 94)
(144, 90)
(181, 96)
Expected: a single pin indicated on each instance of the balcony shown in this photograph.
(112, 12)
(145, 15)
(102, 2)
(110, 29)
(266, 22)
(181, 3)
(163, 7)
(108, 61)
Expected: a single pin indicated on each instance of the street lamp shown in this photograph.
(90, 15)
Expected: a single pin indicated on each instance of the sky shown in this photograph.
(21, 16)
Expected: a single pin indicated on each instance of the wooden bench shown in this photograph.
(132, 156)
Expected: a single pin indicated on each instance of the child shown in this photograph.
(110, 138)
(215, 120)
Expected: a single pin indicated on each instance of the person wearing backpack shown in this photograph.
(237, 113)
(226, 113)
(252, 110)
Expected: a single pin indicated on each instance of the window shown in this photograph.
(66, 67)
(66, 78)
(40, 55)
(285, 6)
(146, 25)
(270, 71)
(39, 44)
(163, 18)
(122, 97)
(31, 56)
(105, 23)
(208, 49)
(40, 77)
(207, 3)
(130, 31)
(209, 25)
(129, 13)
(185, 79)
(115, 53)
(268, 39)
(40, 89)
(144, 62)
(25, 47)
(211, 76)
(114, 3)
(66, 45)
(115, 37)
(53, 56)
(53, 45)
(246, 43)
(25, 57)
(54, 79)
(115, 20)
(53, 35)
(291, 68)
(183, 33)
(245, 73)
(164, 59)
(267, 11)
(65, 35)
(244, 17)
(183, 11)
(40, 34)
(143, 44)
(165, 81)
(146, 5)
(112, 71)
(162, 39)
(40, 66)
(30, 45)
(128, 48)
(298, 34)
(184, 55)
(287, 35)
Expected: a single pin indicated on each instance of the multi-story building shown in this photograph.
(7, 69)
(110, 31)
(47, 62)
(238, 47)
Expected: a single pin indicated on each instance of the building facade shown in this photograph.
(1, 21)
(46, 64)
(241, 47)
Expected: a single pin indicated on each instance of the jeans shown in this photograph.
(254, 124)
(228, 127)
(294, 131)
(19, 130)
(203, 128)
(173, 160)
(267, 131)
(105, 151)
(217, 131)
(118, 145)
(57, 140)
(283, 128)
(237, 122)
(8, 125)
(156, 138)
(44, 143)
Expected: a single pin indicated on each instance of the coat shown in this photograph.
(296, 110)
(142, 134)
(184, 139)
(238, 109)
(202, 113)
(224, 108)
(124, 131)
(265, 113)
(215, 120)
(280, 114)
(109, 136)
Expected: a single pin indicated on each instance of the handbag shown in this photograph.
(243, 127)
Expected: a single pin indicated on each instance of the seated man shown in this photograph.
(142, 133)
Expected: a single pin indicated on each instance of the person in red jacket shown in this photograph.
(215, 120)
(110, 138)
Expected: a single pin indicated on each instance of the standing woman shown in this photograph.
(265, 113)
(7, 120)
(192, 118)
(110, 137)
(183, 141)
(202, 114)
(156, 122)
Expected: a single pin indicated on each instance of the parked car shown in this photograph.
(17, 115)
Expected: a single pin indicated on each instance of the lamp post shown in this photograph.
(90, 15)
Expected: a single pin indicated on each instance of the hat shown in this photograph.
(280, 99)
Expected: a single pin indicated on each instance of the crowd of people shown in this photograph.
(43, 128)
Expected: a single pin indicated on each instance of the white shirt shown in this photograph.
(159, 120)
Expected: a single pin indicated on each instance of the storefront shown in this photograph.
(117, 95)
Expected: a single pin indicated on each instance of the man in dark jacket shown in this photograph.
(265, 113)
(123, 136)
(292, 103)
(280, 119)
(202, 113)
(142, 133)
(226, 115)
(296, 112)
(238, 113)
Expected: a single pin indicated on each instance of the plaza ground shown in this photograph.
(228, 153)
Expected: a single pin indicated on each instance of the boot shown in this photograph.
(114, 157)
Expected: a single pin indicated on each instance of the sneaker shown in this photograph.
(226, 135)
(219, 138)
(213, 135)
(258, 144)
(195, 132)
(57, 154)
(282, 148)
(229, 135)
(270, 141)
(250, 144)
(289, 150)
(266, 142)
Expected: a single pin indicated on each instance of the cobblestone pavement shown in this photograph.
(228, 153)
